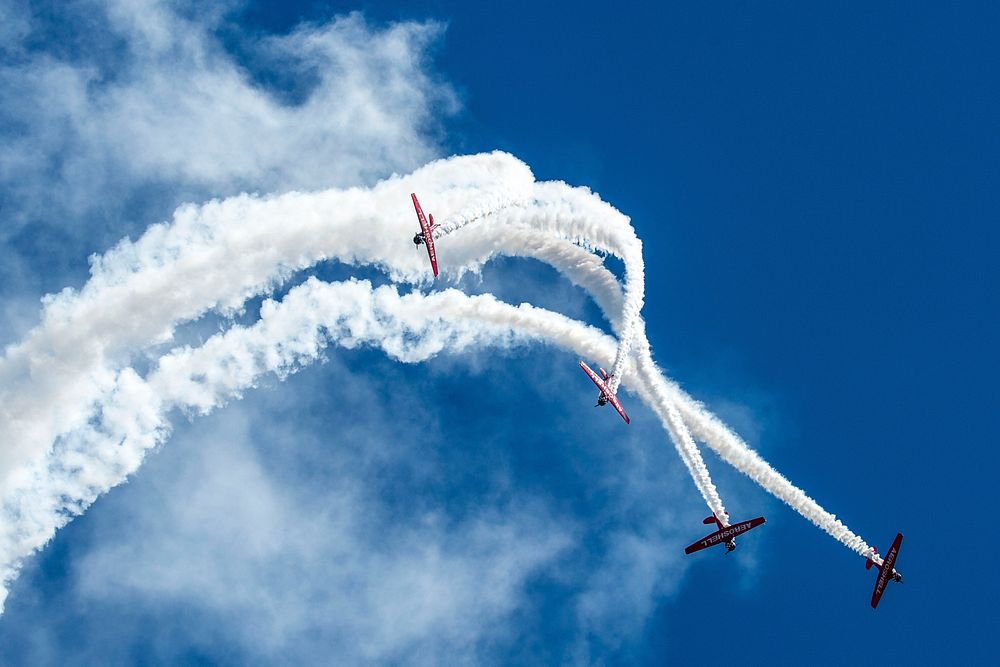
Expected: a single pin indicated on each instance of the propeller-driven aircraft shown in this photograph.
(426, 234)
(886, 571)
(725, 534)
(606, 396)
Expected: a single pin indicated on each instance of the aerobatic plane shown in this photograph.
(426, 234)
(725, 534)
(606, 396)
(886, 571)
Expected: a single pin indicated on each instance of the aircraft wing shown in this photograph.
(428, 234)
(604, 390)
(613, 400)
(885, 572)
(724, 535)
(704, 543)
(594, 377)
(431, 253)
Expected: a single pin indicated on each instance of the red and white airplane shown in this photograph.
(886, 571)
(725, 534)
(606, 396)
(426, 234)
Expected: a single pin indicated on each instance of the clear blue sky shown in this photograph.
(815, 191)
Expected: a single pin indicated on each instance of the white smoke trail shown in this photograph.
(217, 256)
(550, 203)
(483, 206)
(600, 284)
(410, 328)
(131, 416)
(587, 271)
(564, 217)
(654, 380)
(414, 327)
(734, 451)
(214, 257)
(210, 257)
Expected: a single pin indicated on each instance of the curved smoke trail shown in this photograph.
(518, 205)
(606, 292)
(68, 384)
(586, 270)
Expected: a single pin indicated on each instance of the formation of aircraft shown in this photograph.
(426, 234)
(724, 534)
(606, 396)
(886, 571)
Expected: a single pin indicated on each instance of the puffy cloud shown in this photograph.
(303, 524)
(139, 106)
(112, 114)
(305, 568)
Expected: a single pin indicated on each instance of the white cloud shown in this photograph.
(132, 108)
(14, 24)
(180, 113)
(320, 566)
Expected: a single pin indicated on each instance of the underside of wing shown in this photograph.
(880, 582)
(703, 543)
(593, 378)
(420, 212)
(893, 553)
(618, 406)
(744, 526)
(886, 571)
(431, 252)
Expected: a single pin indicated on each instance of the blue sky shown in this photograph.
(813, 191)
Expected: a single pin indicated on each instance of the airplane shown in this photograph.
(606, 396)
(426, 234)
(725, 534)
(886, 571)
